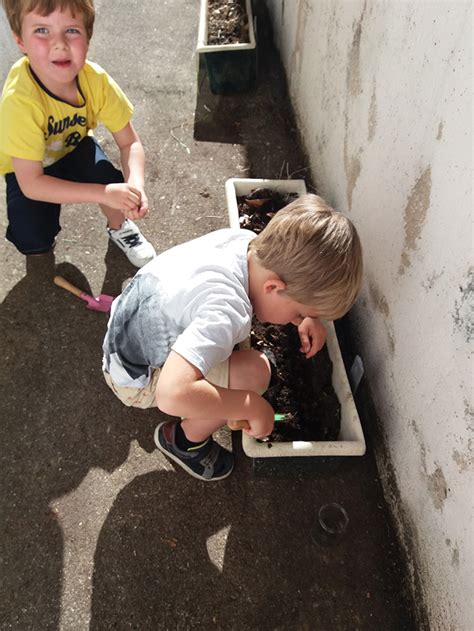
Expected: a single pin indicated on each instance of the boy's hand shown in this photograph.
(140, 211)
(312, 336)
(261, 425)
(122, 197)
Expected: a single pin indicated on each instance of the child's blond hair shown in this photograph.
(316, 252)
(17, 9)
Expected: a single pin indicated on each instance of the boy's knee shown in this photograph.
(250, 370)
(263, 370)
(32, 224)
(27, 240)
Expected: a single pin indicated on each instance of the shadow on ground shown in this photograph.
(52, 346)
(240, 555)
(260, 119)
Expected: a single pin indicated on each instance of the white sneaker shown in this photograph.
(130, 240)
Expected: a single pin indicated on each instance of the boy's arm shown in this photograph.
(133, 165)
(35, 184)
(182, 391)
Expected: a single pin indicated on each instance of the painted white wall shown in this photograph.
(383, 95)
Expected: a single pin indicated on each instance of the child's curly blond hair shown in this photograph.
(316, 252)
(17, 9)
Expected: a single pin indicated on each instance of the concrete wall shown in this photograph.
(382, 93)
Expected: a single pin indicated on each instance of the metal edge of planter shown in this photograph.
(202, 46)
(351, 440)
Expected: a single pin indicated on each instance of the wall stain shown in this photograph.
(415, 216)
(372, 122)
(353, 168)
(463, 461)
(469, 420)
(379, 302)
(353, 82)
(352, 163)
(296, 56)
(455, 557)
(435, 482)
(463, 315)
(416, 431)
(431, 280)
(437, 487)
(469, 415)
(440, 130)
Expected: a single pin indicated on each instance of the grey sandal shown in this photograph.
(209, 463)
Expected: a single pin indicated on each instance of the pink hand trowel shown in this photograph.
(101, 303)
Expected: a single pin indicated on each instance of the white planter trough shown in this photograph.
(231, 68)
(351, 440)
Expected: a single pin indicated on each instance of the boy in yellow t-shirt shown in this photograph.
(52, 100)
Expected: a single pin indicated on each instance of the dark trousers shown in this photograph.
(33, 225)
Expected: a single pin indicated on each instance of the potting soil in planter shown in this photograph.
(301, 388)
(227, 22)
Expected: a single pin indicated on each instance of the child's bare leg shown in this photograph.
(188, 442)
(248, 370)
(114, 217)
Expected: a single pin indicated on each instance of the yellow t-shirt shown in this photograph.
(36, 125)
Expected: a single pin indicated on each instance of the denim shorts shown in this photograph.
(33, 225)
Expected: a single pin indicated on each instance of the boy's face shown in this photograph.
(56, 46)
(275, 307)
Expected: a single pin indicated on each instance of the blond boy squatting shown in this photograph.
(52, 99)
(172, 332)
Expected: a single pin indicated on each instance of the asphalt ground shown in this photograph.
(98, 529)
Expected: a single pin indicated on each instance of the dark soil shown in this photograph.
(227, 22)
(300, 388)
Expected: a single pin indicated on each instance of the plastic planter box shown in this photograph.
(351, 440)
(231, 68)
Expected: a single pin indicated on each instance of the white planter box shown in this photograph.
(231, 67)
(202, 46)
(351, 440)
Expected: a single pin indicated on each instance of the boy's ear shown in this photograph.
(273, 284)
(19, 42)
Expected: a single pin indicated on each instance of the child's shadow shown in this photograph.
(59, 420)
